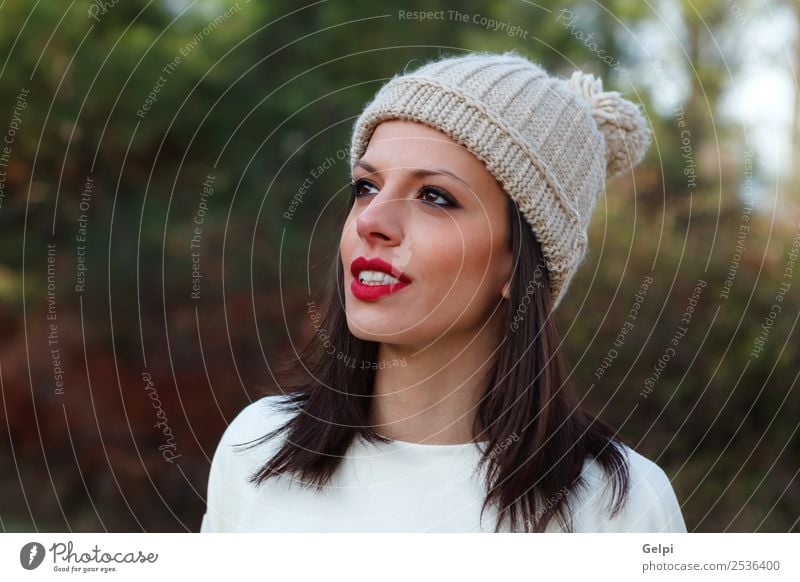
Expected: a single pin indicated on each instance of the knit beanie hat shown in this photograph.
(551, 143)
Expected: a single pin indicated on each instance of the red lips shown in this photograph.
(375, 292)
(376, 264)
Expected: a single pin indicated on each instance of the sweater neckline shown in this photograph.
(426, 449)
(433, 446)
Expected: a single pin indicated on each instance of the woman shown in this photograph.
(434, 396)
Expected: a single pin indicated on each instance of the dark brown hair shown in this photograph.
(530, 478)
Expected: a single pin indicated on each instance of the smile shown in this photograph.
(374, 278)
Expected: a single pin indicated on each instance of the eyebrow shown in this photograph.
(418, 173)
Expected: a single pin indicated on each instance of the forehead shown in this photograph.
(413, 144)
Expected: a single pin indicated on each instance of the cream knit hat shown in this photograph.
(550, 142)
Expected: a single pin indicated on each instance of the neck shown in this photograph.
(430, 394)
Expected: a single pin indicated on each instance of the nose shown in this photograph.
(382, 219)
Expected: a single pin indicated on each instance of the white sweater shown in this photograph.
(402, 487)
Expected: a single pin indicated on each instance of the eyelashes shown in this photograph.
(449, 202)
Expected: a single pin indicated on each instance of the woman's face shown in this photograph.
(431, 210)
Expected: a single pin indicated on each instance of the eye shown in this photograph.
(357, 185)
(361, 188)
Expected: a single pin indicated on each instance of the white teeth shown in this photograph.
(376, 278)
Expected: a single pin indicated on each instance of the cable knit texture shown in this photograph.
(550, 142)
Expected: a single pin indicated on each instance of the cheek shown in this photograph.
(347, 238)
(481, 256)
(466, 284)
(445, 253)
(480, 265)
(463, 268)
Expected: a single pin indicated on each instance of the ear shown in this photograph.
(505, 291)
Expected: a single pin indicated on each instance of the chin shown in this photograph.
(371, 329)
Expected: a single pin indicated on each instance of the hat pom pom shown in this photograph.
(621, 122)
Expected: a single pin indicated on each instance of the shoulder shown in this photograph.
(236, 458)
(258, 418)
(651, 504)
(263, 414)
